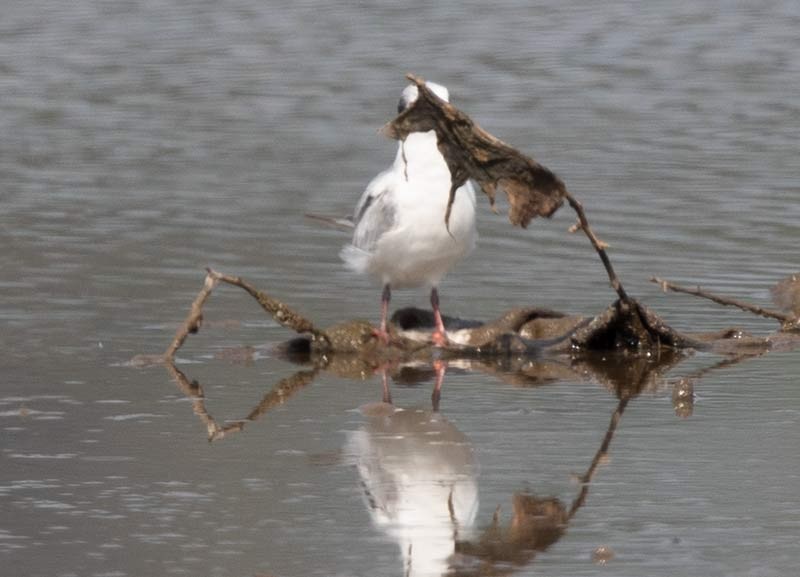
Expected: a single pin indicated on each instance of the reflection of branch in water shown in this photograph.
(279, 394)
(535, 525)
(599, 457)
(194, 391)
(683, 387)
(536, 522)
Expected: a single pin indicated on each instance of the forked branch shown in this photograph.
(279, 311)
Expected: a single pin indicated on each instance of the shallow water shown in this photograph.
(144, 141)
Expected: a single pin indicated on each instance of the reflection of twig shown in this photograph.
(683, 387)
(279, 394)
(536, 522)
(194, 391)
(723, 364)
(601, 454)
(785, 319)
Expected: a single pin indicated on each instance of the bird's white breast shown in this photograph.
(419, 249)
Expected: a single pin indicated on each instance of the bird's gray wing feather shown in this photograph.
(375, 213)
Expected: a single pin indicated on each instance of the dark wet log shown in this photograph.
(625, 327)
(788, 322)
(629, 325)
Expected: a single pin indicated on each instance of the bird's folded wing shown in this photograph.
(375, 214)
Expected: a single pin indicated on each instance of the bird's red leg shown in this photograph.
(387, 393)
(440, 367)
(382, 333)
(439, 336)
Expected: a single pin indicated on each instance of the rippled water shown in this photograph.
(143, 141)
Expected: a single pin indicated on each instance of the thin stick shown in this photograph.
(283, 314)
(598, 245)
(786, 320)
(194, 320)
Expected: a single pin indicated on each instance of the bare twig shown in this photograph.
(194, 320)
(279, 311)
(598, 245)
(787, 321)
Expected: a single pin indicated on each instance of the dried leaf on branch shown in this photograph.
(471, 152)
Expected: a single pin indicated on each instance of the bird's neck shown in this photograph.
(418, 156)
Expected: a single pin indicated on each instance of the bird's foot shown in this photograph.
(439, 338)
(383, 336)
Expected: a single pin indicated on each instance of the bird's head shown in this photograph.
(411, 93)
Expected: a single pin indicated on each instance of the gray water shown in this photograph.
(143, 141)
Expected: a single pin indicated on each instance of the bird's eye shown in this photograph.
(401, 106)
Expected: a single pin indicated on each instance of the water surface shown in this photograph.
(144, 141)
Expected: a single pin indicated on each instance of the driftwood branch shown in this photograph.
(279, 311)
(532, 190)
(787, 321)
(195, 318)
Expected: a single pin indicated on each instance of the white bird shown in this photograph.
(400, 236)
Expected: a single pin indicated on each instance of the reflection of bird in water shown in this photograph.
(400, 236)
(419, 479)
